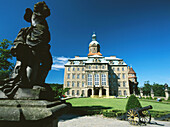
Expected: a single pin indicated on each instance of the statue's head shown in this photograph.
(40, 8)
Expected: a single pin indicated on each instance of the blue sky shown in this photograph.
(136, 30)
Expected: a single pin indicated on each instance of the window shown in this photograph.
(82, 92)
(113, 69)
(89, 79)
(123, 76)
(124, 83)
(83, 69)
(117, 69)
(125, 93)
(96, 79)
(73, 93)
(103, 67)
(73, 69)
(73, 84)
(82, 76)
(68, 76)
(96, 67)
(78, 92)
(73, 76)
(119, 84)
(114, 76)
(78, 69)
(103, 79)
(123, 69)
(89, 67)
(68, 92)
(82, 84)
(68, 84)
(120, 93)
(78, 84)
(118, 75)
(78, 76)
(69, 69)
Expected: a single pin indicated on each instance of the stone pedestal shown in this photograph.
(31, 113)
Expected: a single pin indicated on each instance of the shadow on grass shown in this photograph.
(76, 112)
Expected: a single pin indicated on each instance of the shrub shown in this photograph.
(150, 97)
(133, 103)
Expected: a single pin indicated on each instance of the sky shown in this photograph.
(138, 31)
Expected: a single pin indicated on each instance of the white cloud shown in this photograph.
(58, 62)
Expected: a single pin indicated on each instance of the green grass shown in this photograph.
(118, 104)
(91, 106)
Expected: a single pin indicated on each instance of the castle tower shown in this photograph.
(132, 81)
(94, 47)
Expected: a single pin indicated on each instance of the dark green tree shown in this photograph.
(159, 90)
(133, 103)
(5, 55)
(147, 88)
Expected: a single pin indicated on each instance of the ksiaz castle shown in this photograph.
(96, 75)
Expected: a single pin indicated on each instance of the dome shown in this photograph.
(94, 40)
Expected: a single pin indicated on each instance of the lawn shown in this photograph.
(114, 107)
(118, 104)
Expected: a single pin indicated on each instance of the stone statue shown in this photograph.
(31, 49)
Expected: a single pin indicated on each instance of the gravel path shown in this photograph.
(100, 121)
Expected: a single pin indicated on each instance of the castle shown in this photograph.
(96, 75)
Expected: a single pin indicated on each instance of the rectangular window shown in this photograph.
(78, 84)
(73, 76)
(83, 69)
(82, 84)
(119, 84)
(78, 69)
(96, 79)
(117, 69)
(120, 93)
(68, 84)
(78, 76)
(123, 76)
(83, 76)
(73, 93)
(113, 69)
(82, 92)
(68, 92)
(68, 76)
(78, 92)
(89, 79)
(124, 83)
(122, 69)
(73, 84)
(69, 69)
(118, 75)
(73, 69)
(103, 79)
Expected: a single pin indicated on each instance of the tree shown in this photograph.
(5, 65)
(147, 88)
(159, 90)
(133, 103)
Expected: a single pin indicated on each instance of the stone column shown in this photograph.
(152, 93)
(92, 92)
(107, 92)
(100, 92)
(166, 92)
(141, 92)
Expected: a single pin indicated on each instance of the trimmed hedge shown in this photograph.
(113, 113)
(133, 103)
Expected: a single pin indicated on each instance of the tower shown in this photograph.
(94, 47)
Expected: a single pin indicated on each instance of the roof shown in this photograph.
(91, 54)
(131, 71)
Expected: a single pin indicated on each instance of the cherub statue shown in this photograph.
(31, 50)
